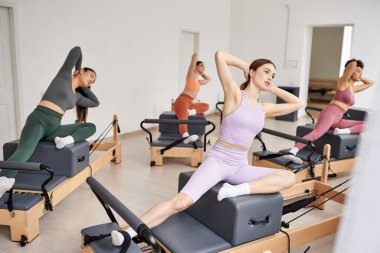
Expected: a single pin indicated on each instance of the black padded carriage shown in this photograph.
(303, 154)
(209, 225)
(170, 133)
(227, 223)
(105, 245)
(342, 146)
(65, 162)
(170, 142)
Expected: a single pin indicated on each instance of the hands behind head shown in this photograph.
(246, 74)
(76, 72)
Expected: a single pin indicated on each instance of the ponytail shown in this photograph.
(244, 85)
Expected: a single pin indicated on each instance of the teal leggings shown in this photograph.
(45, 124)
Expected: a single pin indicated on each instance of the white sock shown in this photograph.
(294, 150)
(338, 131)
(191, 112)
(293, 157)
(118, 238)
(190, 138)
(5, 184)
(229, 191)
(61, 142)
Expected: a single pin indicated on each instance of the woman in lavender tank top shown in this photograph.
(332, 115)
(227, 161)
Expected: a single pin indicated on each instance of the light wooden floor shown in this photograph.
(139, 187)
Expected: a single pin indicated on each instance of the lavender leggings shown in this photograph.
(223, 164)
(330, 118)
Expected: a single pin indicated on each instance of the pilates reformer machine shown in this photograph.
(48, 177)
(343, 149)
(249, 223)
(170, 142)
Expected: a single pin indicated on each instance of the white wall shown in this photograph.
(133, 46)
(258, 29)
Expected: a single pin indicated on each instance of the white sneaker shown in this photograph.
(5, 184)
(293, 159)
(191, 138)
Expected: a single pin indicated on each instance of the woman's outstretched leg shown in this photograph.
(156, 215)
(256, 180)
(206, 176)
(328, 117)
(346, 126)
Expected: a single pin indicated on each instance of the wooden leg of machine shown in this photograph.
(26, 223)
(324, 174)
(85, 249)
(196, 159)
(155, 156)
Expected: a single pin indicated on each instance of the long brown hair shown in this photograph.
(255, 65)
(81, 114)
(82, 111)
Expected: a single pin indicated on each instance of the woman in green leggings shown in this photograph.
(66, 91)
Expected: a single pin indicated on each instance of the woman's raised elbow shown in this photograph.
(218, 54)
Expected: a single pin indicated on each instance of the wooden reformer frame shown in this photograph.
(195, 154)
(339, 166)
(25, 226)
(344, 165)
(299, 236)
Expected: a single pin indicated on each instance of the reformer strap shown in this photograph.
(286, 224)
(91, 238)
(9, 202)
(286, 165)
(108, 129)
(195, 145)
(124, 246)
(275, 155)
(333, 173)
(294, 207)
(126, 243)
(175, 143)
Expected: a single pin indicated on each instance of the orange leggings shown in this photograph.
(182, 104)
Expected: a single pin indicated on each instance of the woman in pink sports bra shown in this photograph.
(183, 105)
(227, 161)
(332, 115)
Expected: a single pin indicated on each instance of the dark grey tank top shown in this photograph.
(60, 90)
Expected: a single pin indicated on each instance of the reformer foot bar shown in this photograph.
(28, 204)
(250, 223)
(170, 142)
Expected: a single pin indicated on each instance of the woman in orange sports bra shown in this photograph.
(332, 115)
(183, 105)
